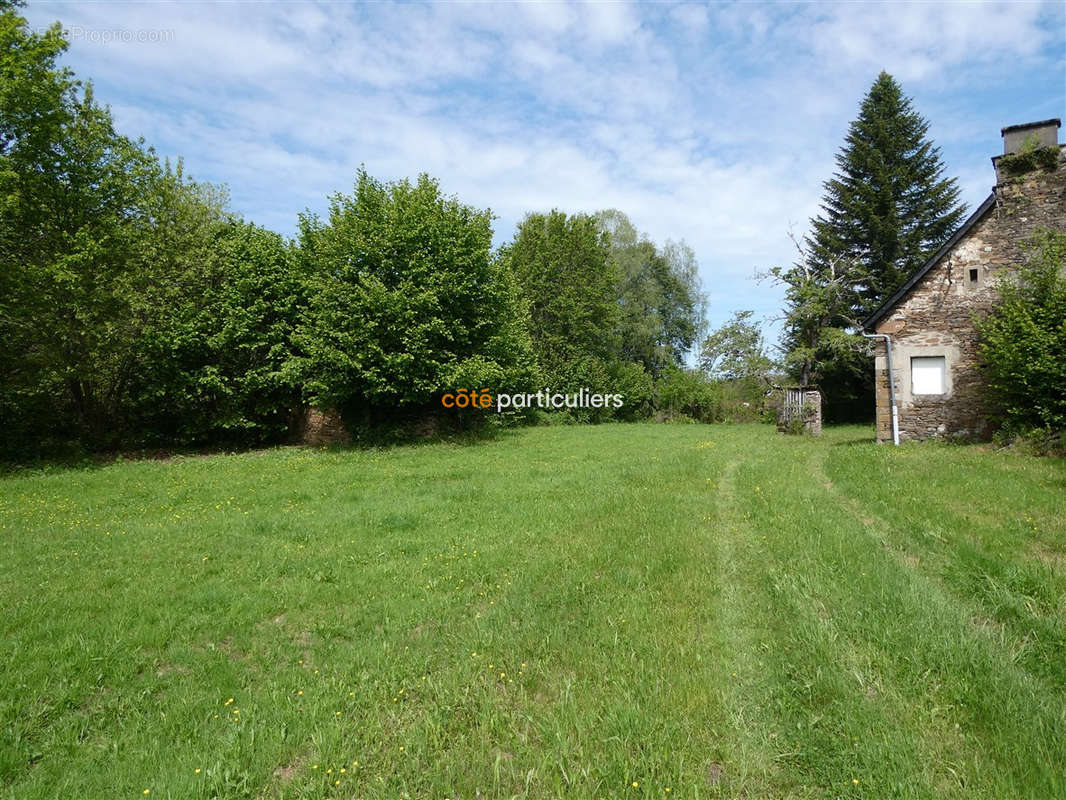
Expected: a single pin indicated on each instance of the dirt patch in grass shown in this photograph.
(281, 777)
(166, 670)
(285, 774)
(422, 629)
(231, 651)
(715, 773)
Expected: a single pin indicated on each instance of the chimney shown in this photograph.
(1016, 137)
(1045, 134)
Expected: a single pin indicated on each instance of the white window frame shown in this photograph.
(929, 375)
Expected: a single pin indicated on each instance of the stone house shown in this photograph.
(926, 328)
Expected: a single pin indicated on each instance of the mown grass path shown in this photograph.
(622, 611)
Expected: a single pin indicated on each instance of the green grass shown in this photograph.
(561, 612)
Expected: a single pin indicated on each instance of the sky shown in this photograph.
(715, 124)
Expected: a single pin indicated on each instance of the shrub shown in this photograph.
(1023, 341)
(692, 394)
(634, 383)
(214, 358)
(1029, 158)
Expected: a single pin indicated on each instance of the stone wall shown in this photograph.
(321, 427)
(936, 317)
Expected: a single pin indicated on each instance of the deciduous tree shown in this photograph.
(406, 302)
(569, 282)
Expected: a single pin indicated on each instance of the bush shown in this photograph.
(1033, 441)
(214, 361)
(743, 400)
(1023, 341)
(690, 393)
(633, 382)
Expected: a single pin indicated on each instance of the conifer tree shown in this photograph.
(887, 208)
(889, 205)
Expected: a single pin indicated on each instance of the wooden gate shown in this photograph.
(800, 405)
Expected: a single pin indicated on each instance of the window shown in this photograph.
(973, 276)
(927, 374)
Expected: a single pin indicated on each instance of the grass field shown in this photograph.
(623, 611)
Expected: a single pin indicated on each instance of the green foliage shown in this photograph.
(884, 211)
(735, 356)
(816, 323)
(736, 350)
(76, 209)
(133, 309)
(660, 303)
(1031, 441)
(569, 281)
(406, 302)
(35, 100)
(608, 310)
(1023, 340)
(690, 393)
(1031, 157)
(797, 425)
(888, 206)
(744, 400)
(216, 360)
(636, 385)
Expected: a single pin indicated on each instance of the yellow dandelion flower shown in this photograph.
(855, 781)
(636, 784)
(196, 771)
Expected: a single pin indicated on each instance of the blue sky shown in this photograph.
(711, 123)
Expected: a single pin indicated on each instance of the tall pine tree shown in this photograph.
(889, 205)
(887, 208)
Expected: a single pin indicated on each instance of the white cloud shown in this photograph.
(692, 17)
(917, 40)
(609, 22)
(709, 122)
